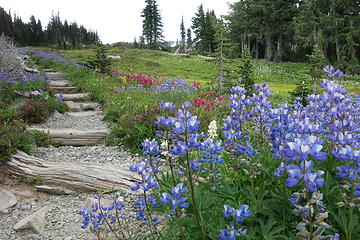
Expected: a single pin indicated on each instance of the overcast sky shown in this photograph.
(115, 20)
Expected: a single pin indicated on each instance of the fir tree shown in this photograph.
(317, 61)
(189, 41)
(100, 63)
(152, 25)
(246, 70)
(182, 34)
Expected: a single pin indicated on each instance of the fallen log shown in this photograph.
(74, 137)
(55, 76)
(75, 97)
(71, 176)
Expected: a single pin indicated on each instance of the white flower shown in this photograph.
(212, 130)
(164, 148)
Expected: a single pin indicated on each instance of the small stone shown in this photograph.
(34, 237)
(7, 200)
(57, 114)
(34, 222)
(7, 211)
(23, 206)
(69, 238)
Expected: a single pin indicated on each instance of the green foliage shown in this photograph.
(31, 33)
(246, 70)
(37, 109)
(203, 25)
(13, 136)
(152, 25)
(305, 87)
(37, 180)
(100, 63)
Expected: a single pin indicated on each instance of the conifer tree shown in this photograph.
(246, 70)
(203, 25)
(222, 78)
(182, 34)
(189, 41)
(152, 25)
(100, 63)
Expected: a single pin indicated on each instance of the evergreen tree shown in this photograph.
(100, 63)
(189, 41)
(6, 23)
(198, 25)
(246, 70)
(182, 33)
(317, 62)
(203, 25)
(152, 25)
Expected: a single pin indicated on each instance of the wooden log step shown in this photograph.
(66, 90)
(74, 137)
(83, 113)
(75, 97)
(60, 83)
(55, 75)
(82, 106)
(71, 176)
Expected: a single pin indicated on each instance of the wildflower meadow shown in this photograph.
(231, 166)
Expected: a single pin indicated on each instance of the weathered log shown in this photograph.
(63, 89)
(73, 137)
(83, 113)
(75, 97)
(60, 83)
(82, 106)
(55, 76)
(71, 176)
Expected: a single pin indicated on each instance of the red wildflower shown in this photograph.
(198, 102)
(137, 117)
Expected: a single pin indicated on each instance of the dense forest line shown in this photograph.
(275, 30)
(58, 32)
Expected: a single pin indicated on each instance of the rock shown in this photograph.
(23, 206)
(7, 211)
(114, 56)
(7, 200)
(34, 222)
(69, 238)
(34, 237)
(54, 190)
(57, 114)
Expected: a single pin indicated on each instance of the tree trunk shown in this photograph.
(257, 49)
(268, 43)
(279, 50)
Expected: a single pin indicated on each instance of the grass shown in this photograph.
(281, 77)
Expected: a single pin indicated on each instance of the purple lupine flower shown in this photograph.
(241, 213)
(294, 175)
(175, 199)
(166, 106)
(228, 234)
(314, 180)
(150, 147)
(331, 72)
